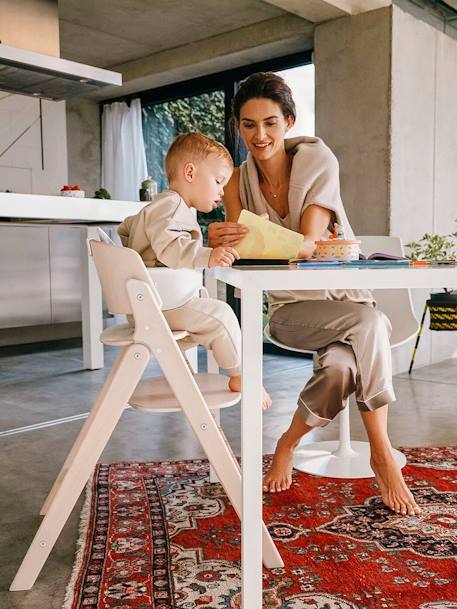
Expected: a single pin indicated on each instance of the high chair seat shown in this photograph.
(154, 394)
(121, 335)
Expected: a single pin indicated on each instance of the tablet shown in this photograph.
(260, 262)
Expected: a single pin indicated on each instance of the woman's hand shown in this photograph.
(225, 233)
(307, 249)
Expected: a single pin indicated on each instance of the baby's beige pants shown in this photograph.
(213, 324)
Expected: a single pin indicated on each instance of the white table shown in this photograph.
(252, 281)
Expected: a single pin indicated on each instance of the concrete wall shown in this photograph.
(84, 147)
(23, 168)
(386, 103)
(352, 59)
(423, 195)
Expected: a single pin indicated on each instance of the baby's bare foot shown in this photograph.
(279, 476)
(235, 386)
(394, 492)
(266, 400)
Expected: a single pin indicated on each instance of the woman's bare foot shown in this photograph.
(235, 386)
(394, 492)
(279, 476)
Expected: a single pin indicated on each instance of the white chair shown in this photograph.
(128, 289)
(344, 458)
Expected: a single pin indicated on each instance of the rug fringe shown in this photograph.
(80, 545)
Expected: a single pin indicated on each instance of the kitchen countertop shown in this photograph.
(65, 209)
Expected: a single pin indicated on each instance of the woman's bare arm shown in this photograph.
(314, 221)
(232, 202)
(228, 233)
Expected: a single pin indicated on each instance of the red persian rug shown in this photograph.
(159, 536)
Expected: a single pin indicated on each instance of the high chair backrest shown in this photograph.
(396, 304)
(115, 265)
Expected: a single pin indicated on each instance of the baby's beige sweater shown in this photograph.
(166, 233)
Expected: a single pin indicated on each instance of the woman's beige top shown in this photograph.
(314, 180)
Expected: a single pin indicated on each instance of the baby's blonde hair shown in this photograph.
(189, 147)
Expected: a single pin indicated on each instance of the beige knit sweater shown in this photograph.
(166, 233)
(314, 180)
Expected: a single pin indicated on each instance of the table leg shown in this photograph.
(251, 449)
(91, 304)
(211, 286)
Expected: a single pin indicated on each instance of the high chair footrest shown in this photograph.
(121, 335)
(155, 395)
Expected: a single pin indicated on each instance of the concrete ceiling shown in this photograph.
(110, 32)
(157, 42)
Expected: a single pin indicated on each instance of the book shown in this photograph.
(378, 263)
(306, 263)
(381, 256)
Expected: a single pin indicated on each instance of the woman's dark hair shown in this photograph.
(267, 85)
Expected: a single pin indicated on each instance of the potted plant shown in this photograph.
(434, 247)
(442, 306)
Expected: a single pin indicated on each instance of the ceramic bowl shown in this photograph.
(341, 249)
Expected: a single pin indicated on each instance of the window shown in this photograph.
(163, 121)
(203, 104)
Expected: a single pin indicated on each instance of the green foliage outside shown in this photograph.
(163, 122)
(434, 247)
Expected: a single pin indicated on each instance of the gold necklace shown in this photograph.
(275, 195)
(275, 192)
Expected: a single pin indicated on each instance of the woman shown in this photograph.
(296, 182)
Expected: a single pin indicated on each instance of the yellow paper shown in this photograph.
(266, 239)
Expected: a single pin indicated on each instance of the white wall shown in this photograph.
(21, 167)
(423, 191)
(84, 147)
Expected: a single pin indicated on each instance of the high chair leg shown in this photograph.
(119, 387)
(212, 474)
(225, 465)
(82, 434)
(193, 404)
(212, 439)
(213, 367)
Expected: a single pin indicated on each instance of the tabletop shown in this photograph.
(285, 278)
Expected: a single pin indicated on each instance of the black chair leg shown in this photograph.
(418, 338)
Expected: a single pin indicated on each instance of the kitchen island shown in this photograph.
(46, 275)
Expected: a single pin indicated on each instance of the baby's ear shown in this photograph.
(189, 172)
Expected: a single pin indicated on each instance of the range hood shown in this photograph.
(30, 62)
(29, 73)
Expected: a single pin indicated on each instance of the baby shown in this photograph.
(166, 233)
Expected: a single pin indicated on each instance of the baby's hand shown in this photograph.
(223, 256)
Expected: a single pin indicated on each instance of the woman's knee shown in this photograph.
(372, 320)
(337, 359)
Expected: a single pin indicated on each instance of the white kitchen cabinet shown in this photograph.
(25, 287)
(65, 273)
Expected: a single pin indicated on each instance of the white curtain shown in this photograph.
(123, 156)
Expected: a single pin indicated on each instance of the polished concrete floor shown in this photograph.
(48, 385)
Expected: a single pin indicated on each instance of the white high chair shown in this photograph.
(128, 289)
(344, 458)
